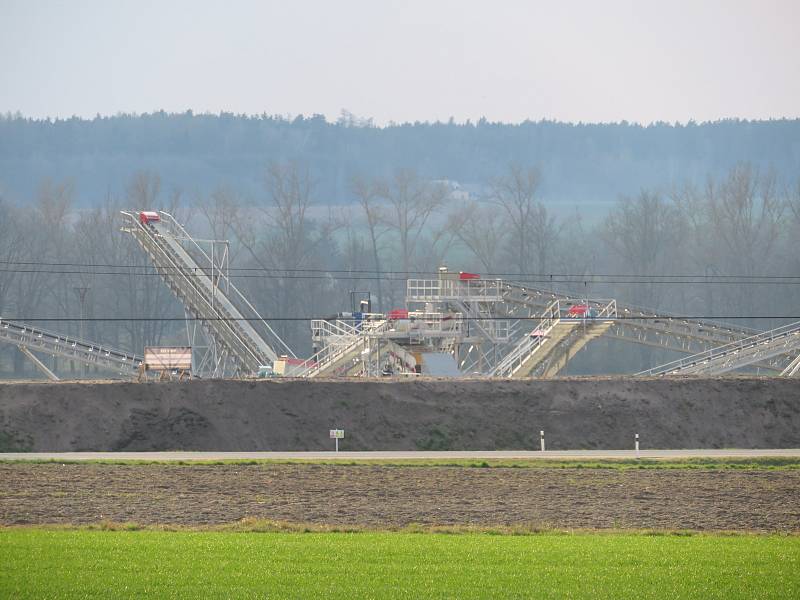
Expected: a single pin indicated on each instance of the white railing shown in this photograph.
(597, 309)
(734, 355)
(663, 323)
(440, 290)
(530, 343)
(609, 311)
(328, 356)
(83, 351)
(334, 332)
(231, 290)
(792, 368)
(340, 339)
(428, 324)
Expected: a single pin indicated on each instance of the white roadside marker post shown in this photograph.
(541, 439)
(637, 445)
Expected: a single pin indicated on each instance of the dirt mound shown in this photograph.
(400, 415)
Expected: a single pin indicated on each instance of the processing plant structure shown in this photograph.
(491, 327)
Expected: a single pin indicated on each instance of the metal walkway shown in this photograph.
(742, 353)
(497, 299)
(658, 329)
(208, 295)
(641, 325)
(553, 341)
(511, 332)
(34, 339)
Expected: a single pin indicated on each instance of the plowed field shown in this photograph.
(384, 497)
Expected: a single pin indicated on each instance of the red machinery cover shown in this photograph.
(149, 216)
(578, 310)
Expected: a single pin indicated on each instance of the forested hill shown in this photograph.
(580, 163)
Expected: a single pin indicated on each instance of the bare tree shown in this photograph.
(222, 212)
(433, 249)
(745, 213)
(42, 243)
(11, 250)
(790, 258)
(793, 201)
(411, 203)
(532, 230)
(735, 227)
(368, 195)
(45, 242)
(576, 255)
(744, 216)
(144, 188)
(291, 247)
(644, 232)
(482, 230)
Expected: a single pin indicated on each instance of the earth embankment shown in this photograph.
(400, 415)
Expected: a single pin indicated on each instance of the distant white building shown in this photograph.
(457, 192)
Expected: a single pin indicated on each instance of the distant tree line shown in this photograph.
(196, 153)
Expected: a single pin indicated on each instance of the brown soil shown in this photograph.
(400, 415)
(375, 496)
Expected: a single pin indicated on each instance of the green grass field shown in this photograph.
(39, 563)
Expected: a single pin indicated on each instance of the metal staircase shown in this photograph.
(342, 344)
(554, 340)
(205, 289)
(535, 343)
(348, 348)
(742, 353)
(31, 339)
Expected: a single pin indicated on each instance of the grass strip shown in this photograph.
(749, 463)
(115, 564)
(259, 525)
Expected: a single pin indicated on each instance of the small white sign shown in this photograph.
(337, 434)
(168, 358)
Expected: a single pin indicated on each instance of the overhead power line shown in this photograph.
(575, 279)
(403, 274)
(464, 319)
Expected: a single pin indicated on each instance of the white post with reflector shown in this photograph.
(636, 443)
(541, 439)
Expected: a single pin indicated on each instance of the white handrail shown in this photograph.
(194, 288)
(785, 332)
(530, 343)
(185, 235)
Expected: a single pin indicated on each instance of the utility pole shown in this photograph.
(81, 293)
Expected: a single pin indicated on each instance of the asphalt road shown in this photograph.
(477, 455)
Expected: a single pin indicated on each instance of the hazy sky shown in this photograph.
(405, 60)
